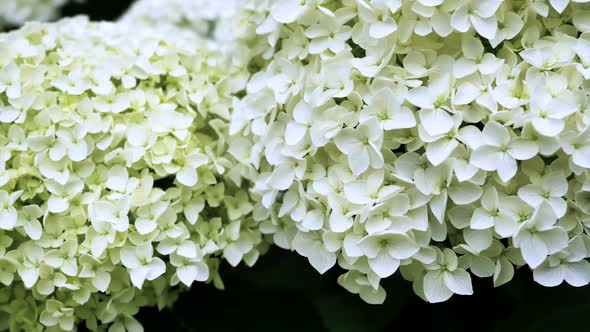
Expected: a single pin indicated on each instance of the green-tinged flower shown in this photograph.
(115, 184)
(438, 138)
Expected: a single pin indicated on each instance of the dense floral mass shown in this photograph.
(114, 181)
(443, 139)
(440, 138)
(198, 16)
(17, 12)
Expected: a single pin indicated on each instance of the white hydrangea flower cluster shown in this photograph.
(115, 184)
(17, 12)
(199, 16)
(434, 137)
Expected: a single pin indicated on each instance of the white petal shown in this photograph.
(421, 97)
(401, 119)
(57, 204)
(187, 176)
(435, 289)
(531, 194)
(487, 8)
(495, 134)
(577, 274)
(377, 224)
(282, 177)
(521, 149)
(359, 163)
(533, 249)
(202, 271)
(286, 11)
(383, 265)
(438, 206)
(437, 152)
(129, 257)
(402, 246)
(98, 245)
(233, 254)
(506, 167)
(322, 260)
(482, 266)
(489, 64)
(102, 280)
(79, 151)
(382, 29)
(478, 239)
(544, 217)
(505, 226)
(347, 141)
(460, 19)
(464, 67)
(458, 281)
(192, 210)
(8, 218)
(33, 229)
(350, 245)
(145, 226)
(57, 152)
(463, 170)
(157, 267)
(465, 193)
(460, 216)
(357, 192)
(581, 157)
(481, 219)
(436, 121)
(187, 274)
(372, 296)
(29, 276)
(138, 276)
(549, 276)
(555, 239)
(294, 133)
(466, 93)
(399, 204)
(504, 271)
(536, 57)
(485, 158)
(313, 220)
(559, 206)
(187, 249)
(486, 27)
(548, 127)
(8, 114)
(472, 47)
(559, 5)
(441, 23)
(117, 178)
(339, 223)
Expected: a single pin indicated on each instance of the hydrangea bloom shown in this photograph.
(438, 138)
(442, 139)
(199, 16)
(115, 183)
(17, 12)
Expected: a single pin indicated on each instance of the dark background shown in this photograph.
(99, 10)
(284, 293)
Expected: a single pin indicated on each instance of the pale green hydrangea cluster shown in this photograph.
(116, 188)
(200, 16)
(17, 12)
(438, 138)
